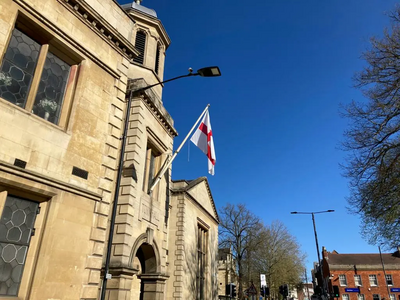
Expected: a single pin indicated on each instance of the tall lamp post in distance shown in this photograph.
(203, 72)
(316, 237)
(384, 272)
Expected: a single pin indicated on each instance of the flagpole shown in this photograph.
(168, 163)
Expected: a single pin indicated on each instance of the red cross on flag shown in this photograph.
(203, 139)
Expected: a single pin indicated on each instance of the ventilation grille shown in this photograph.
(20, 163)
(140, 44)
(157, 60)
(80, 173)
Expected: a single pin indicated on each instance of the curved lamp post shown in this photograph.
(315, 234)
(203, 72)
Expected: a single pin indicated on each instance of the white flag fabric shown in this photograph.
(203, 139)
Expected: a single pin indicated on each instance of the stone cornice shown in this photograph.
(7, 168)
(153, 102)
(101, 27)
(38, 17)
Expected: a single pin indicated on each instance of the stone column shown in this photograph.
(153, 286)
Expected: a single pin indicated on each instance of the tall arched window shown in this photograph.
(140, 44)
(157, 66)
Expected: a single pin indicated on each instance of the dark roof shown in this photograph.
(141, 8)
(367, 259)
(223, 253)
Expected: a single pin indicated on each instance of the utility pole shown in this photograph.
(308, 290)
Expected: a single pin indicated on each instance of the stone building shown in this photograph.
(226, 270)
(361, 276)
(67, 69)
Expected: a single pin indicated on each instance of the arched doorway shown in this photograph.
(147, 283)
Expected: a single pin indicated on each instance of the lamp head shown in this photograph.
(330, 210)
(294, 212)
(209, 72)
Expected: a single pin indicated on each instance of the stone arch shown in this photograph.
(147, 283)
(146, 250)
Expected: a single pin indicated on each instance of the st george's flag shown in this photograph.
(203, 139)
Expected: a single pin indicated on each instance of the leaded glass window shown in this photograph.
(18, 68)
(16, 225)
(50, 94)
(36, 74)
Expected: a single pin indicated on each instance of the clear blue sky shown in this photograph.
(287, 66)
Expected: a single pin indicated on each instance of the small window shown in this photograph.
(16, 226)
(35, 75)
(345, 296)
(360, 297)
(157, 66)
(392, 297)
(152, 166)
(373, 281)
(389, 280)
(357, 280)
(376, 297)
(140, 45)
(342, 280)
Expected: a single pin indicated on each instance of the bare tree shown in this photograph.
(279, 257)
(373, 140)
(238, 229)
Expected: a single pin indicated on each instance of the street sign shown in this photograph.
(263, 280)
(395, 290)
(252, 290)
(352, 290)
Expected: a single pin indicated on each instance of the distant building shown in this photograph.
(361, 276)
(306, 292)
(226, 270)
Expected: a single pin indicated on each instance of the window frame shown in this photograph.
(376, 298)
(157, 59)
(202, 255)
(391, 279)
(49, 42)
(376, 279)
(33, 250)
(151, 167)
(345, 297)
(360, 297)
(341, 276)
(359, 279)
(142, 52)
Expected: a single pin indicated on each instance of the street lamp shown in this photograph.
(384, 272)
(203, 72)
(315, 234)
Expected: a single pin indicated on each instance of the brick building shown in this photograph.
(361, 276)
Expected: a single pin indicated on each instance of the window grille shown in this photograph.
(157, 66)
(373, 281)
(342, 280)
(140, 45)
